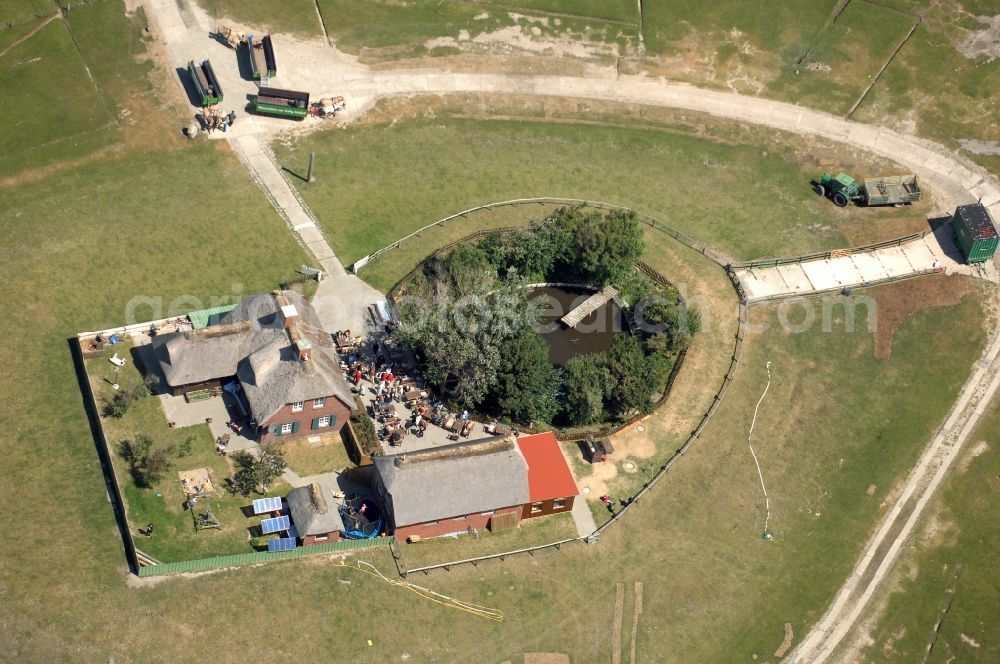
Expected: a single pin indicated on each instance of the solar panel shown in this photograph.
(281, 544)
(292, 532)
(265, 505)
(277, 524)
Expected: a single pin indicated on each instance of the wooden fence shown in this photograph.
(700, 247)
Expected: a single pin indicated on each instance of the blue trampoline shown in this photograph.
(362, 520)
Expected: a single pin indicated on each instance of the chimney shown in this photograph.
(317, 499)
(303, 350)
(290, 315)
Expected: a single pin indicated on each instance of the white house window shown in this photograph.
(297, 407)
(287, 427)
(319, 403)
(558, 503)
(323, 421)
(536, 508)
(322, 538)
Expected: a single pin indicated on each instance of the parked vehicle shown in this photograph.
(282, 103)
(261, 54)
(205, 82)
(894, 190)
(975, 233)
(232, 37)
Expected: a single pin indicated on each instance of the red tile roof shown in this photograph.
(548, 475)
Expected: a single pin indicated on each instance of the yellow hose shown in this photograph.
(479, 611)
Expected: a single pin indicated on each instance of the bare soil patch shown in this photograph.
(897, 302)
(786, 643)
(545, 658)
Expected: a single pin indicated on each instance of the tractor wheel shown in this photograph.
(820, 189)
(840, 199)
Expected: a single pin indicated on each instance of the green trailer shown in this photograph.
(896, 190)
(282, 103)
(261, 54)
(206, 84)
(975, 233)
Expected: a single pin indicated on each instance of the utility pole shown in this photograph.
(309, 174)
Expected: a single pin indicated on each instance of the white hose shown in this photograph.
(767, 501)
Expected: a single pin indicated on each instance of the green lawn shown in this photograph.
(389, 182)
(306, 460)
(48, 95)
(950, 574)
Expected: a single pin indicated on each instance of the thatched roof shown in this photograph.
(312, 514)
(455, 480)
(257, 344)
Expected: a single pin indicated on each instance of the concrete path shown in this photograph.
(583, 517)
(936, 250)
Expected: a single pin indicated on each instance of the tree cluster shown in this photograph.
(467, 317)
(147, 461)
(123, 400)
(254, 474)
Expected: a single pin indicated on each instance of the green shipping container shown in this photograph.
(975, 233)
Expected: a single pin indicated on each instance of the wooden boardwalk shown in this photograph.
(589, 306)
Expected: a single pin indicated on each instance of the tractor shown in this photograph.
(840, 188)
(896, 190)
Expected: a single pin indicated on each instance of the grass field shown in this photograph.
(935, 90)
(949, 574)
(387, 29)
(45, 74)
(843, 58)
(531, 532)
(297, 17)
(424, 170)
(106, 98)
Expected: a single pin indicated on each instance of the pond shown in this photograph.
(593, 334)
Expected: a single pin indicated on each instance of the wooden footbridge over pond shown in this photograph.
(589, 306)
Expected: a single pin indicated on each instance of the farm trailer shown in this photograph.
(895, 190)
(205, 83)
(261, 52)
(282, 103)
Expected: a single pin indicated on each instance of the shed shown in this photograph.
(315, 518)
(551, 486)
